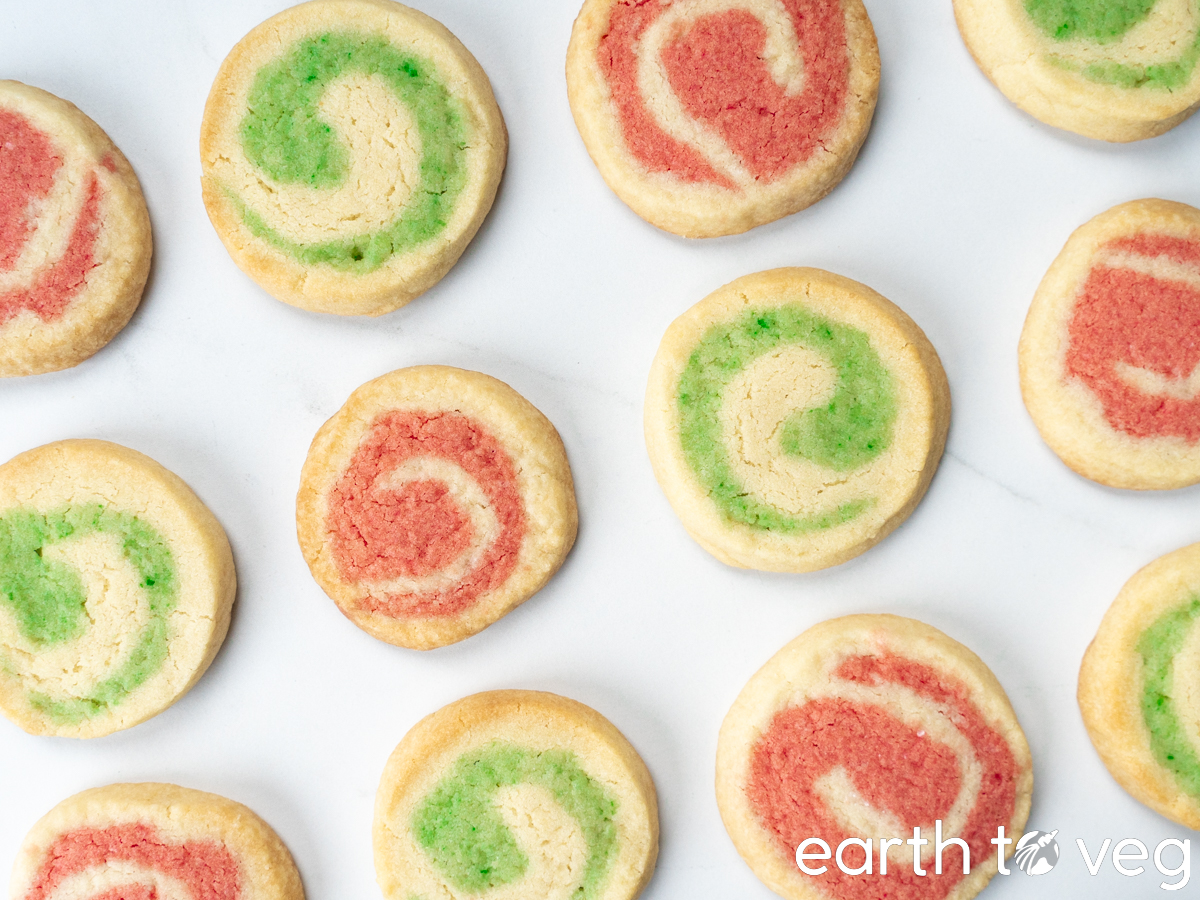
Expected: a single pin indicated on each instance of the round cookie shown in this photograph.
(709, 117)
(74, 234)
(1139, 687)
(515, 794)
(434, 502)
(794, 418)
(149, 841)
(116, 585)
(870, 726)
(1118, 70)
(1110, 364)
(350, 151)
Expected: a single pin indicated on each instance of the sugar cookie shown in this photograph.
(794, 418)
(517, 794)
(709, 117)
(864, 728)
(152, 841)
(74, 234)
(116, 585)
(1118, 70)
(351, 149)
(1139, 687)
(433, 503)
(1110, 364)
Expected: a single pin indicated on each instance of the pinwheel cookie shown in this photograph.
(515, 794)
(433, 503)
(1118, 70)
(794, 418)
(710, 118)
(1139, 687)
(116, 584)
(74, 234)
(351, 149)
(1110, 362)
(863, 729)
(152, 841)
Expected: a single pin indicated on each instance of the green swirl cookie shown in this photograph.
(1139, 686)
(517, 792)
(351, 149)
(794, 418)
(115, 588)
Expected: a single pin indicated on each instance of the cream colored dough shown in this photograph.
(103, 306)
(543, 479)
(698, 210)
(760, 398)
(384, 150)
(545, 832)
(803, 671)
(1068, 415)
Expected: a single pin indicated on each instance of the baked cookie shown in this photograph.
(517, 794)
(709, 117)
(794, 418)
(1110, 364)
(350, 150)
(863, 729)
(149, 841)
(74, 234)
(1118, 70)
(116, 584)
(1139, 687)
(434, 502)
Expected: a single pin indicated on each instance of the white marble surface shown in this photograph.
(954, 210)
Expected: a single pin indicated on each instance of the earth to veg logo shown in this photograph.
(1037, 852)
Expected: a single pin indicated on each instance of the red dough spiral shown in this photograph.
(28, 163)
(207, 869)
(1135, 318)
(716, 69)
(417, 529)
(893, 766)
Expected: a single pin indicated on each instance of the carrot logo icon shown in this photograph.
(1037, 852)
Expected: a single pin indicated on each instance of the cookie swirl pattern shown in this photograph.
(1109, 370)
(351, 149)
(55, 562)
(428, 515)
(866, 728)
(461, 825)
(433, 503)
(115, 588)
(1119, 70)
(153, 842)
(711, 116)
(1139, 683)
(74, 234)
(514, 794)
(794, 418)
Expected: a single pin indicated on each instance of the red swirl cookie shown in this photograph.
(1110, 361)
(153, 842)
(433, 503)
(709, 117)
(74, 234)
(861, 730)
